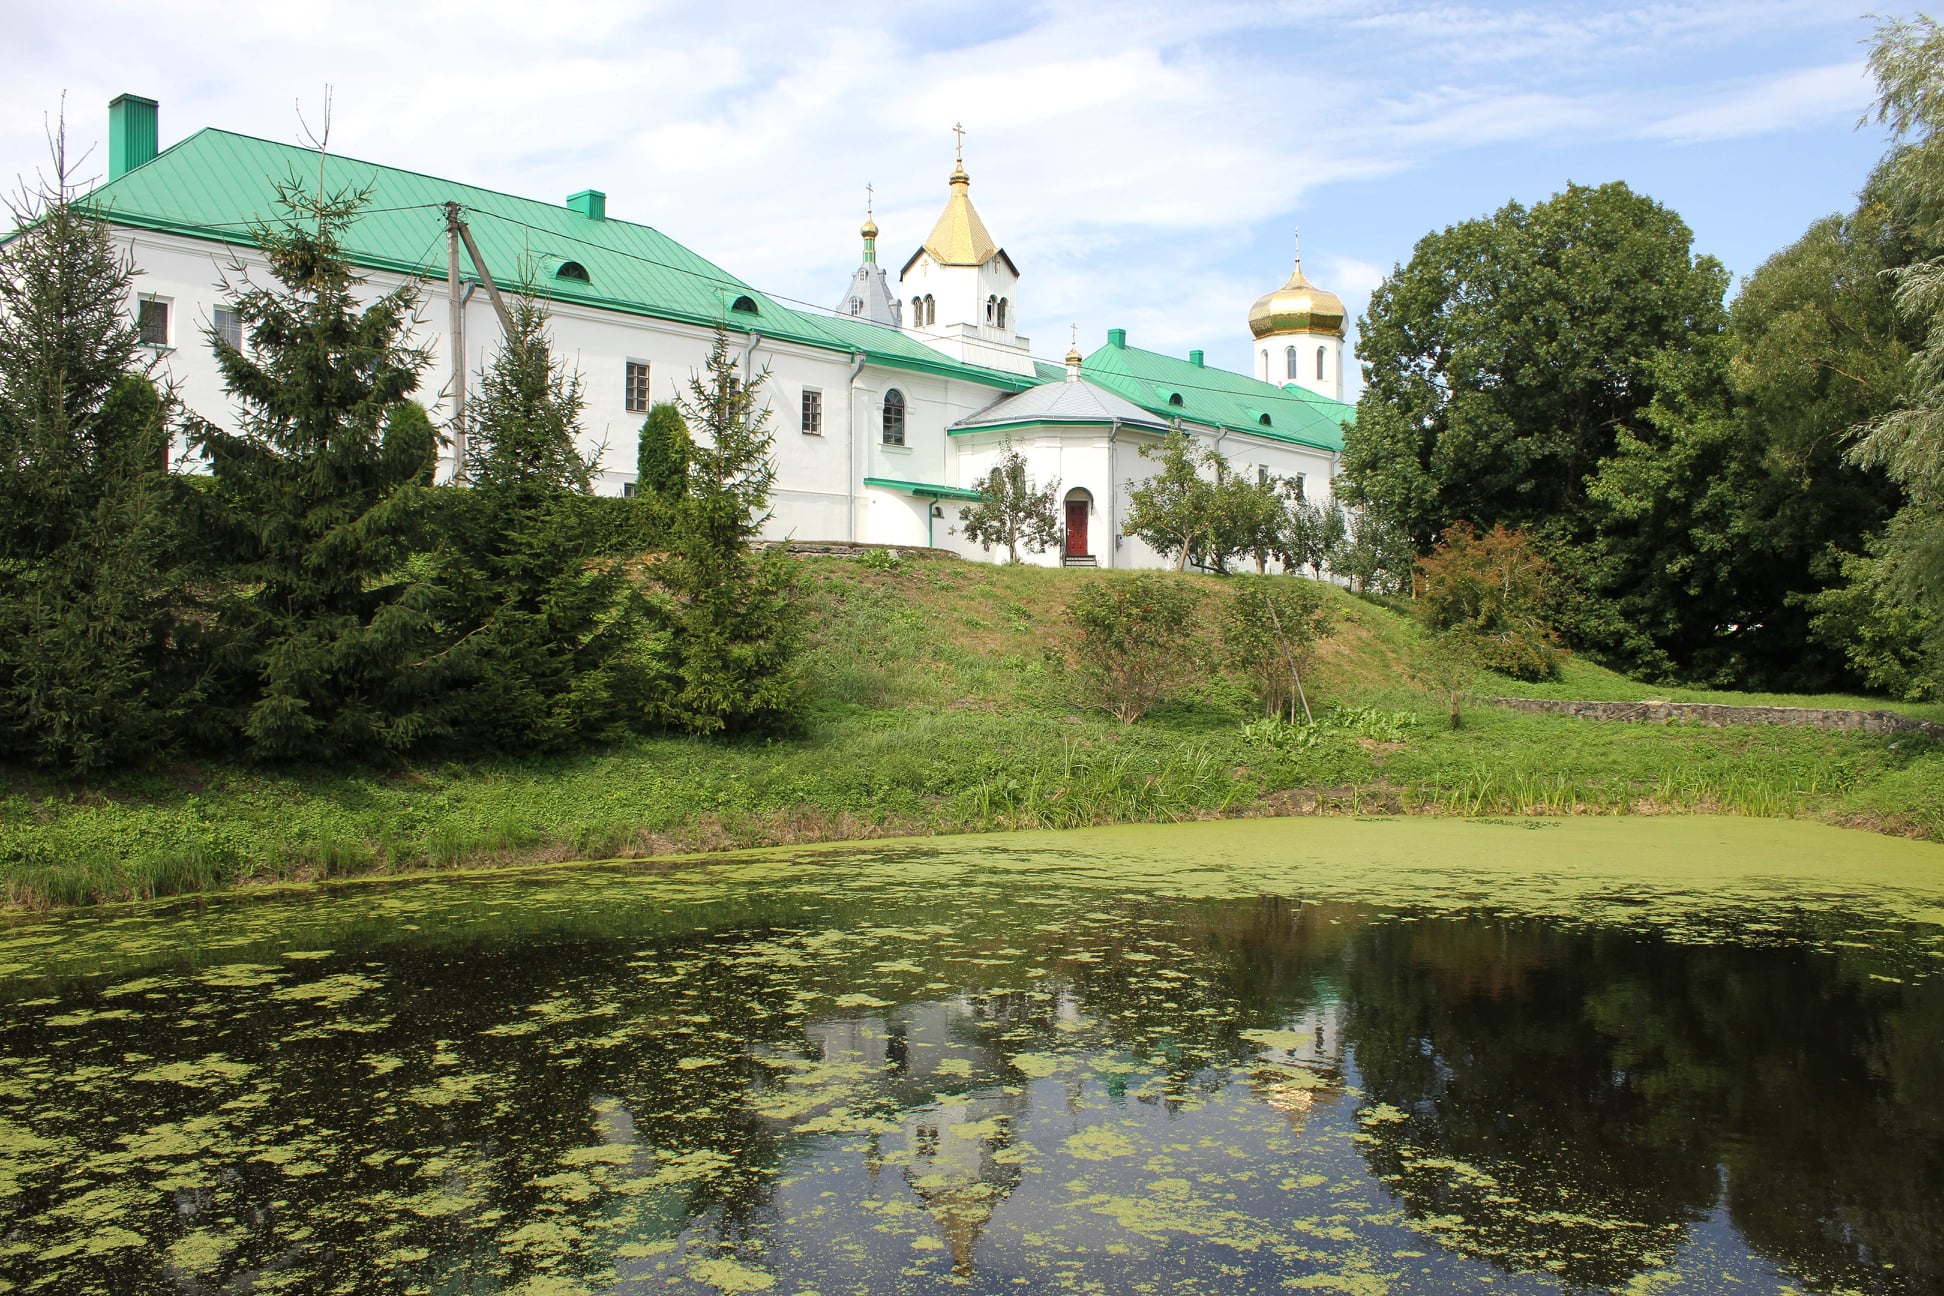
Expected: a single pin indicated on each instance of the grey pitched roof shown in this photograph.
(1060, 402)
(869, 297)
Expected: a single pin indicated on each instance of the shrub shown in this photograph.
(1491, 588)
(1133, 648)
(1269, 633)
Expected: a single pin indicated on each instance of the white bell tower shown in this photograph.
(960, 291)
(1298, 332)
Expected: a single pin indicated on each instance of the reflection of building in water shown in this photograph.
(945, 1080)
(1302, 1063)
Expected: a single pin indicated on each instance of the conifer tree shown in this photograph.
(662, 454)
(550, 651)
(319, 493)
(733, 622)
(99, 661)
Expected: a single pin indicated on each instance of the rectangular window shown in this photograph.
(1262, 475)
(812, 412)
(229, 327)
(637, 388)
(627, 490)
(152, 321)
(1299, 486)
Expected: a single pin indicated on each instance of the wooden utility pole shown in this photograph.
(453, 226)
(486, 277)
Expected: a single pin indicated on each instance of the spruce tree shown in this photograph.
(550, 653)
(99, 659)
(319, 492)
(733, 622)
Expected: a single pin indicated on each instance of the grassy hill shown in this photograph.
(944, 702)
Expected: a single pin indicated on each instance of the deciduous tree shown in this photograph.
(1012, 510)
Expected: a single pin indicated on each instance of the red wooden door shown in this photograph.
(1076, 545)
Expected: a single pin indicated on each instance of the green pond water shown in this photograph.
(1640, 1055)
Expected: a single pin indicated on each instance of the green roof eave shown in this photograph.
(923, 490)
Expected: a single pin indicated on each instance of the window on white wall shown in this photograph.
(1002, 312)
(637, 387)
(1299, 485)
(812, 412)
(1320, 353)
(894, 417)
(1289, 363)
(152, 321)
(229, 327)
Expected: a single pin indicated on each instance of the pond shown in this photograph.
(1641, 1055)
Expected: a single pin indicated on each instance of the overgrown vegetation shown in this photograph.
(945, 696)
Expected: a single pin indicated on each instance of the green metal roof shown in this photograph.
(217, 184)
(923, 489)
(1218, 398)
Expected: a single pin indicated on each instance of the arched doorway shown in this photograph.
(1079, 507)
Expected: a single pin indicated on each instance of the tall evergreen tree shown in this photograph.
(319, 494)
(550, 653)
(733, 622)
(662, 454)
(100, 661)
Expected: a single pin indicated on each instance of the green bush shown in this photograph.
(1133, 646)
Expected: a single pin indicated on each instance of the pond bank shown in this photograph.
(945, 706)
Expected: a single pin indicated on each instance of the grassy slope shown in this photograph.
(944, 703)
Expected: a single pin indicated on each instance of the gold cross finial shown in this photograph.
(1296, 234)
(870, 194)
(958, 129)
(1076, 335)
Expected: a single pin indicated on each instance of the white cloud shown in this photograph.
(1140, 161)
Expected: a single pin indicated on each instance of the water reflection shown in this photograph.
(985, 1086)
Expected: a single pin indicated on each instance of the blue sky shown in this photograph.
(1142, 163)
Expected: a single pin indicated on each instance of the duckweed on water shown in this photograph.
(1367, 1057)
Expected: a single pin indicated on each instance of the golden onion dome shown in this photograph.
(1299, 306)
(1073, 356)
(869, 229)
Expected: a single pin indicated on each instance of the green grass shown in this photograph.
(943, 703)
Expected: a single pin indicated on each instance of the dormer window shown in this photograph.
(573, 270)
(1174, 398)
(1264, 420)
(857, 305)
(744, 305)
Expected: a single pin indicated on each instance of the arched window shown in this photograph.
(572, 270)
(1320, 352)
(917, 312)
(746, 305)
(1290, 363)
(931, 310)
(1002, 312)
(1174, 398)
(992, 306)
(894, 417)
(1264, 420)
(1265, 366)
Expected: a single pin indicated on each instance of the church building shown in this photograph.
(886, 413)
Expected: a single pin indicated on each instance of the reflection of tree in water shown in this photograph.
(1567, 1101)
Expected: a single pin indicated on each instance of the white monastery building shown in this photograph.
(886, 413)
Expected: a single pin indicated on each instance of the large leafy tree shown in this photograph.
(733, 622)
(1175, 510)
(319, 494)
(101, 660)
(1011, 510)
(550, 653)
(1907, 443)
(1503, 360)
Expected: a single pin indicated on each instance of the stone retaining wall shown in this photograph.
(1708, 713)
(847, 549)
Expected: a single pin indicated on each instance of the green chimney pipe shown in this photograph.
(133, 133)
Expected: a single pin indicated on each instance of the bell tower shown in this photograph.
(960, 291)
(1298, 332)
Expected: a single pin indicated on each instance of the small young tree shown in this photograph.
(1176, 511)
(1447, 667)
(1377, 557)
(1134, 641)
(318, 495)
(1491, 587)
(662, 454)
(1012, 511)
(734, 623)
(1313, 536)
(1250, 518)
(550, 653)
(1270, 630)
(101, 659)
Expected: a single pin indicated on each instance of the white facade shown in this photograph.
(1312, 361)
(849, 473)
